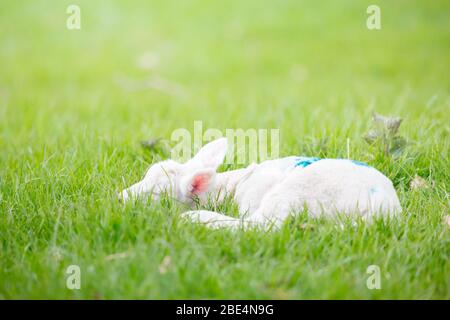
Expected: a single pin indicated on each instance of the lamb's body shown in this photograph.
(267, 193)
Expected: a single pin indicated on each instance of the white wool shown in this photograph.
(269, 192)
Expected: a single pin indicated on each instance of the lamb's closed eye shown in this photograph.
(183, 182)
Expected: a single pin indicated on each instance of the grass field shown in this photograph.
(75, 104)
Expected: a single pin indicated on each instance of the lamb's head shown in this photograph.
(181, 181)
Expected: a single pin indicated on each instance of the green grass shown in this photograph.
(70, 130)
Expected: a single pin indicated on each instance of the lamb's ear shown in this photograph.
(198, 183)
(212, 154)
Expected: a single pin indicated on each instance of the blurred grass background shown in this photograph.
(74, 105)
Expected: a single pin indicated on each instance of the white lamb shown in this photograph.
(269, 192)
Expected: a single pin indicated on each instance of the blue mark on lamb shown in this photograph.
(303, 162)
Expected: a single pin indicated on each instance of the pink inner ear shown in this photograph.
(200, 183)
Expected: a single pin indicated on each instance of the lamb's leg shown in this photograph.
(211, 219)
(217, 220)
(276, 206)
